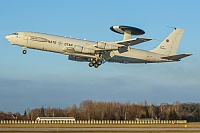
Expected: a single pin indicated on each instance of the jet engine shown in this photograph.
(83, 50)
(103, 45)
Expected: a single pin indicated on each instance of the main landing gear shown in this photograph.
(95, 63)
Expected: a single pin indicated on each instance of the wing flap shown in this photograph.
(133, 41)
(176, 57)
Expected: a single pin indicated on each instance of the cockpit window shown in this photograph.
(15, 33)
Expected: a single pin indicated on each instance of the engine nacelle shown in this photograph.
(103, 45)
(83, 50)
(77, 58)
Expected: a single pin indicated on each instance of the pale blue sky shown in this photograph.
(49, 79)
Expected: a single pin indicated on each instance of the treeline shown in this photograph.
(91, 110)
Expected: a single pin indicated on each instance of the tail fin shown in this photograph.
(170, 45)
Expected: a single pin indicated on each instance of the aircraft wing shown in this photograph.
(133, 41)
(176, 57)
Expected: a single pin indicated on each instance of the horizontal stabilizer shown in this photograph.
(133, 41)
(176, 57)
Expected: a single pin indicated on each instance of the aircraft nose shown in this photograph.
(10, 39)
(7, 37)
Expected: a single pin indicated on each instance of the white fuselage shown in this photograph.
(71, 46)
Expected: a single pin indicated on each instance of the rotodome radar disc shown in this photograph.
(127, 29)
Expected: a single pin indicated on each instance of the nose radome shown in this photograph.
(7, 37)
(10, 39)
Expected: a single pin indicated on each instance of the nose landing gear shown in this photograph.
(24, 51)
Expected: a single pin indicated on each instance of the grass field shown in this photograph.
(189, 125)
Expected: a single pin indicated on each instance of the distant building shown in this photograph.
(144, 119)
(55, 119)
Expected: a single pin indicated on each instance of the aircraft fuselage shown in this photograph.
(65, 45)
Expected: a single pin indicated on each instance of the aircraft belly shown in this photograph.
(121, 59)
(132, 56)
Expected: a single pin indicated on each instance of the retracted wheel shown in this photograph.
(24, 51)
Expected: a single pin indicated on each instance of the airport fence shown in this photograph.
(95, 122)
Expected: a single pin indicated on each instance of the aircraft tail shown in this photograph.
(170, 45)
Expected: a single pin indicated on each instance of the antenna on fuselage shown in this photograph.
(127, 31)
(171, 27)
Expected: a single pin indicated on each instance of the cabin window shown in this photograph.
(15, 33)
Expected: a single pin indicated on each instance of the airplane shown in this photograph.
(96, 53)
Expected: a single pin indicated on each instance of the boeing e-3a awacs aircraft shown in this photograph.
(97, 52)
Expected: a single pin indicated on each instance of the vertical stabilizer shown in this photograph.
(170, 45)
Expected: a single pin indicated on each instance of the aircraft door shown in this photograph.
(26, 37)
